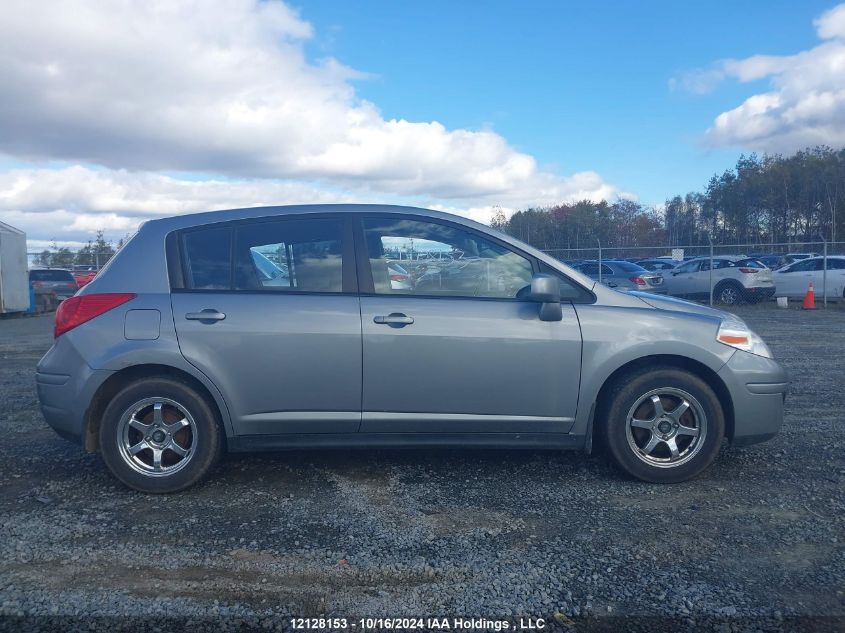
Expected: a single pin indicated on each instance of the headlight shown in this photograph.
(735, 333)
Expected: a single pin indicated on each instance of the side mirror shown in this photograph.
(545, 289)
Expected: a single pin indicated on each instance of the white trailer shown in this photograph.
(14, 277)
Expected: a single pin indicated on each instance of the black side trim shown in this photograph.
(550, 441)
(174, 261)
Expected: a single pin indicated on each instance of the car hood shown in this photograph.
(678, 305)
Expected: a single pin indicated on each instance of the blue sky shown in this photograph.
(579, 85)
(112, 113)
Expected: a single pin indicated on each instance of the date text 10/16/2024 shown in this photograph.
(420, 624)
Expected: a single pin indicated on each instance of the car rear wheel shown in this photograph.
(158, 435)
(728, 293)
(664, 425)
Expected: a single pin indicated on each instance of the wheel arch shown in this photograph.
(667, 360)
(120, 379)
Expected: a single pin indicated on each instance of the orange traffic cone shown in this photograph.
(809, 299)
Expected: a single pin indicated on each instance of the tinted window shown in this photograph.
(689, 267)
(806, 265)
(628, 267)
(442, 260)
(834, 263)
(592, 269)
(750, 263)
(285, 255)
(208, 258)
(51, 275)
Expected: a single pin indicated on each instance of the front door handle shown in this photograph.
(209, 315)
(394, 319)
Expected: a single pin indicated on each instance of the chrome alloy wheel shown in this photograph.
(156, 437)
(666, 427)
(729, 295)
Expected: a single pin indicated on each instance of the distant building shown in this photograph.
(14, 278)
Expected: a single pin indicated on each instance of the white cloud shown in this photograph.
(805, 105)
(221, 88)
(72, 203)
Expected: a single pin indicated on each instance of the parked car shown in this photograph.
(734, 280)
(794, 280)
(624, 275)
(179, 350)
(658, 264)
(83, 278)
(83, 274)
(400, 279)
(772, 261)
(51, 286)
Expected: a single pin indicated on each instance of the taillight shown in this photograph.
(398, 277)
(638, 280)
(77, 310)
(749, 270)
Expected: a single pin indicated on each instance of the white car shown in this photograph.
(793, 280)
(734, 279)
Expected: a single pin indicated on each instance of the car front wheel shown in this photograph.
(158, 435)
(664, 425)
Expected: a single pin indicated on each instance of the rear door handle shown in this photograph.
(394, 319)
(209, 315)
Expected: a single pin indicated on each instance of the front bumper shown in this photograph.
(758, 388)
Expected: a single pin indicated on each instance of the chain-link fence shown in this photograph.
(772, 255)
(68, 259)
(638, 253)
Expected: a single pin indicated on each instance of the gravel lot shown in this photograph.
(758, 542)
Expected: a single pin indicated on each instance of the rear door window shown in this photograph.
(304, 255)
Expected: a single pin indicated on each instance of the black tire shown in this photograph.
(204, 436)
(630, 389)
(728, 293)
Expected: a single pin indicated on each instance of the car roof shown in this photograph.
(247, 213)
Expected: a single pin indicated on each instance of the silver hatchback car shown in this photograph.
(184, 346)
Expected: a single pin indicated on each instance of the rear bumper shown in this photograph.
(66, 386)
(758, 388)
(761, 293)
